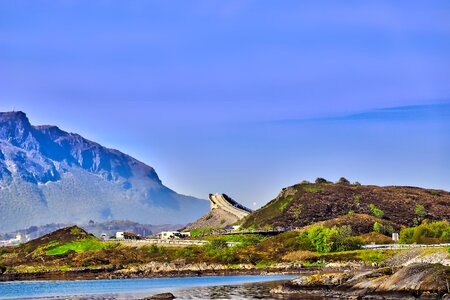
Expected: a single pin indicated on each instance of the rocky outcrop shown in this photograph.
(162, 296)
(416, 280)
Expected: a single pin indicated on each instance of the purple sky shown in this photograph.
(241, 97)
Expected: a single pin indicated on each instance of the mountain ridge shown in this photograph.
(41, 167)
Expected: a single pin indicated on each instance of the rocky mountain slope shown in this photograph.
(304, 204)
(48, 175)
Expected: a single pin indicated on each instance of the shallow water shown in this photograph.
(214, 287)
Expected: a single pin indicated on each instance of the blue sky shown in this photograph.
(241, 97)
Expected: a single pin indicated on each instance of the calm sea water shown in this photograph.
(215, 287)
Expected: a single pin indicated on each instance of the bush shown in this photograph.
(321, 180)
(376, 211)
(426, 233)
(380, 228)
(343, 180)
(337, 238)
(305, 182)
(356, 183)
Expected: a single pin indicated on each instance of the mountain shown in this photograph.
(48, 175)
(306, 203)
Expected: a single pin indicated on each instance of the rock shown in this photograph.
(428, 280)
(163, 296)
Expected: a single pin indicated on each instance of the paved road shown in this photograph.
(220, 201)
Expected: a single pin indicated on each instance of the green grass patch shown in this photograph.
(314, 264)
(313, 188)
(200, 231)
(285, 202)
(261, 266)
(87, 244)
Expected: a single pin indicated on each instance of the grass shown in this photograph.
(200, 231)
(314, 264)
(285, 202)
(87, 244)
(312, 189)
(365, 255)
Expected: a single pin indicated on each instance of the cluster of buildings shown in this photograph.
(165, 235)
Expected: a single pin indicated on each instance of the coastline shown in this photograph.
(113, 273)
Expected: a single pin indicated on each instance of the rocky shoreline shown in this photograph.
(157, 270)
(415, 281)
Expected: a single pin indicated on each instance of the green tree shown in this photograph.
(343, 180)
(420, 213)
(321, 180)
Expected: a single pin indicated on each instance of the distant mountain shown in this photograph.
(48, 175)
(306, 203)
(108, 227)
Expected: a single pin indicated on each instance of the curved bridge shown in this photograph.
(224, 202)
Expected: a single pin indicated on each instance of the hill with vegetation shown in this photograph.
(392, 206)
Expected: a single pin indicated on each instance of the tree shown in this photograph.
(420, 213)
(343, 180)
(321, 180)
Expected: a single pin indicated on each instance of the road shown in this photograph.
(218, 200)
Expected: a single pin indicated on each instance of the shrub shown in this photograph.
(380, 228)
(321, 180)
(351, 212)
(305, 182)
(426, 233)
(376, 211)
(356, 183)
(337, 238)
(377, 227)
(343, 180)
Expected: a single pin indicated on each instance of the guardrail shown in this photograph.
(404, 246)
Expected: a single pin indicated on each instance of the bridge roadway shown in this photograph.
(219, 201)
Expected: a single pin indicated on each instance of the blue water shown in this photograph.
(182, 287)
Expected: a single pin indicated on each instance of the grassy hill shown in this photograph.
(308, 203)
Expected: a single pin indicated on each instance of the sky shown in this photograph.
(241, 97)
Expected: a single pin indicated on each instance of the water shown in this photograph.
(215, 287)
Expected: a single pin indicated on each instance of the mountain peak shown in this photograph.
(14, 127)
(47, 173)
(14, 116)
